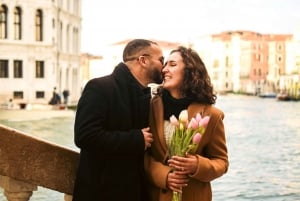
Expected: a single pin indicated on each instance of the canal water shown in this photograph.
(263, 137)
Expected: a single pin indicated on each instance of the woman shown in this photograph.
(186, 85)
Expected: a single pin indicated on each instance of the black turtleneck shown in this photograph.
(173, 106)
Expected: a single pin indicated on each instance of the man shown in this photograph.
(111, 127)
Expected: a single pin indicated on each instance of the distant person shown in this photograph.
(55, 100)
(186, 85)
(111, 127)
(66, 94)
(10, 104)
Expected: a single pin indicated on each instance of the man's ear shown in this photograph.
(142, 60)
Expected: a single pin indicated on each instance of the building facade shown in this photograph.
(245, 61)
(39, 49)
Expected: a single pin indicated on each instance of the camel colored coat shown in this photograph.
(211, 154)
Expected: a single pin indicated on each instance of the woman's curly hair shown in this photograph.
(196, 82)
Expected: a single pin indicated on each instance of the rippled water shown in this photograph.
(263, 137)
(264, 148)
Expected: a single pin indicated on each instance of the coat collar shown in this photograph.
(123, 75)
(157, 122)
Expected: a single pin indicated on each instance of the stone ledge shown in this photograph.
(36, 161)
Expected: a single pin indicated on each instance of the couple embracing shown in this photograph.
(124, 154)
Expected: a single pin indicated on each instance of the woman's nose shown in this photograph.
(165, 68)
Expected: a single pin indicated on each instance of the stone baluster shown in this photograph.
(16, 190)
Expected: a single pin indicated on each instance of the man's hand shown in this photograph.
(148, 138)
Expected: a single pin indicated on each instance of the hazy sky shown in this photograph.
(105, 22)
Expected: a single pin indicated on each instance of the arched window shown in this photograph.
(39, 25)
(18, 23)
(3, 22)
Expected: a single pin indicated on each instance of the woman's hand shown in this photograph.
(184, 165)
(177, 181)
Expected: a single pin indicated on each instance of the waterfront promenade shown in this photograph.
(33, 114)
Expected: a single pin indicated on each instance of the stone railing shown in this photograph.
(27, 162)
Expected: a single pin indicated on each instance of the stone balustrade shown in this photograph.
(27, 162)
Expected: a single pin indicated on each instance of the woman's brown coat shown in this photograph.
(211, 154)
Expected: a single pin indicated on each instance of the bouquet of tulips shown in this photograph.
(185, 137)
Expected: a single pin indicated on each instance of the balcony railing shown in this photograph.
(27, 162)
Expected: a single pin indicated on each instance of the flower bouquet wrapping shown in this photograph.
(185, 137)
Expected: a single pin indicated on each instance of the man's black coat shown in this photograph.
(110, 115)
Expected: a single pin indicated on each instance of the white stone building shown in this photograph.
(39, 49)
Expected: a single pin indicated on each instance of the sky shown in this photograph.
(107, 22)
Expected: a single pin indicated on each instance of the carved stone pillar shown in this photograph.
(15, 190)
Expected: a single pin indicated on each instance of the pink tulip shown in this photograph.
(174, 121)
(193, 124)
(196, 138)
(198, 117)
(204, 121)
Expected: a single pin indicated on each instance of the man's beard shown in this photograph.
(157, 76)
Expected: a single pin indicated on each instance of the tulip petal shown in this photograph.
(196, 138)
(183, 116)
(174, 120)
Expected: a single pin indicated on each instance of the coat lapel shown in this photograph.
(195, 108)
(157, 112)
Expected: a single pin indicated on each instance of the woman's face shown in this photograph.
(173, 73)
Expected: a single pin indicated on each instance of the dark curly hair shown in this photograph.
(196, 82)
